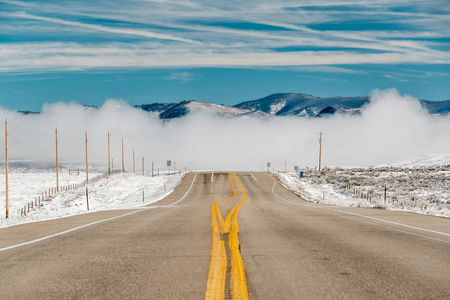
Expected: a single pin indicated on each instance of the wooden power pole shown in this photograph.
(320, 150)
(6, 169)
(87, 164)
(109, 156)
(57, 162)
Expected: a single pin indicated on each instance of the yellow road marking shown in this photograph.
(217, 269)
(225, 225)
(238, 279)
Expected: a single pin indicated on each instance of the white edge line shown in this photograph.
(368, 217)
(66, 231)
(252, 176)
(212, 177)
(192, 184)
(93, 223)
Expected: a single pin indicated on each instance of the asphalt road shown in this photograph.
(291, 249)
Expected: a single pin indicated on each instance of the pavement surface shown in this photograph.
(290, 248)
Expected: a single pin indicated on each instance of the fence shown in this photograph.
(30, 143)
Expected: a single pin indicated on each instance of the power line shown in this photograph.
(28, 138)
(52, 128)
(29, 126)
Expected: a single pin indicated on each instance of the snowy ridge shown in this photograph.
(186, 107)
(223, 110)
(281, 104)
(424, 161)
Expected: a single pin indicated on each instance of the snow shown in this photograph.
(195, 106)
(424, 190)
(118, 191)
(430, 160)
(276, 107)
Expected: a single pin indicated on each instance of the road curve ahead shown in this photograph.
(229, 236)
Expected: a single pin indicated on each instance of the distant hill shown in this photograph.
(156, 107)
(437, 107)
(282, 104)
(303, 105)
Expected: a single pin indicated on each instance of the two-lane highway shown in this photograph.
(183, 246)
(298, 250)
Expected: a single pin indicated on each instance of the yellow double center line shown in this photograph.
(218, 266)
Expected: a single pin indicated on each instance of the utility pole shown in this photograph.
(134, 166)
(320, 150)
(57, 163)
(6, 169)
(87, 164)
(152, 169)
(109, 156)
(285, 163)
(142, 166)
(123, 162)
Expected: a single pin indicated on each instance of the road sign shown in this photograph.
(301, 174)
(295, 168)
(268, 164)
(169, 163)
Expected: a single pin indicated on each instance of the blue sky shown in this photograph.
(145, 51)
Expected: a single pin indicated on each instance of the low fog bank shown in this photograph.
(390, 128)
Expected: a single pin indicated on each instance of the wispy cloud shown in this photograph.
(318, 78)
(183, 33)
(17, 3)
(182, 76)
(73, 56)
(327, 69)
(396, 78)
(122, 31)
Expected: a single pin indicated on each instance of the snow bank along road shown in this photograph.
(188, 246)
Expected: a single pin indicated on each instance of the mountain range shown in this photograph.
(283, 104)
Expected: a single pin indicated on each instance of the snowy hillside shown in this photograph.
(424, 190)
(283, 104)
(156, 107)
(183, 108)
(420, 185)
(430, 160)
(291, 104)
(118, 191)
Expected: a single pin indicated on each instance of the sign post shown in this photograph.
(301, 177)
(87, 198)
(169, 163)
(268, 166)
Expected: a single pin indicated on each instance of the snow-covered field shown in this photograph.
(420, 189)
(118, 191)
